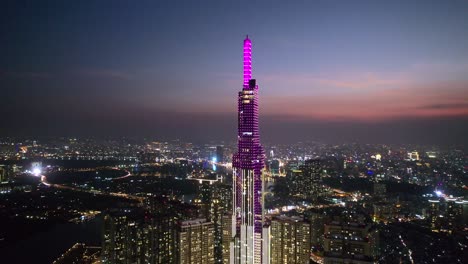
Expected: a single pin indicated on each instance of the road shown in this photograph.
(96, 192)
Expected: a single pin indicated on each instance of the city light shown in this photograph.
(37, 171)
(344, 141)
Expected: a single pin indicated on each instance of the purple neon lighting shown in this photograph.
(249, 160)
(247, 60)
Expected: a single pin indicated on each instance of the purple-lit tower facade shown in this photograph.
(247, 245)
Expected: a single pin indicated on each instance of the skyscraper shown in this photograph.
(220, 154)
(248, 163)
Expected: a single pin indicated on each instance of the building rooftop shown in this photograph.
(197, 221)
(294, 218)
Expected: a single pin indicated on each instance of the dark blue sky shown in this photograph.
(332, 70)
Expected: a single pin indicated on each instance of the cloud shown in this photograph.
(437, 99)
(404, 99)
(445, 106)
(338, 81)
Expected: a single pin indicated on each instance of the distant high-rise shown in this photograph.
(312, 179)
(2, 173)
(248, 163)
(220, 154)
(274, 167)
(380, 189)
(306, 183)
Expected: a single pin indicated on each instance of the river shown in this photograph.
(44, 247)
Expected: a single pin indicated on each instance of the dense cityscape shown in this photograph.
(399, 204)
(130, 136)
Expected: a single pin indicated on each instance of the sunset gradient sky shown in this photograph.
(173, 68)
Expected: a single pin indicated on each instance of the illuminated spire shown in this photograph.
(247, 60)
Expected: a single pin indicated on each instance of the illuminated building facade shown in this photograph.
(317, 219)
(79, 253)
(154, 234)
(248, 163)
(226, 238)
(196, 242)
(310, 184)
(122, 241)
(414, 155)
(290, 240)
(159, 238)
(213, 203)
(448, 214)
(306, 181)
(350, 242)
(434, 214)
(384, 211)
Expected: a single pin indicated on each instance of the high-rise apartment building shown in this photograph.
(248, 164)
(317, 219)
(213, 203)
(226, 227)
(159, 237)
(349, 241)
(145, 235)
(195, 239)
(434, 214)
(290, 240)
(312, 179)
(448, 214)
(306, 181)
(122, 241)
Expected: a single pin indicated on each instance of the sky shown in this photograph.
(334, 71)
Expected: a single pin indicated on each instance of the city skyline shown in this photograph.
(129, 137)
(397, 68)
